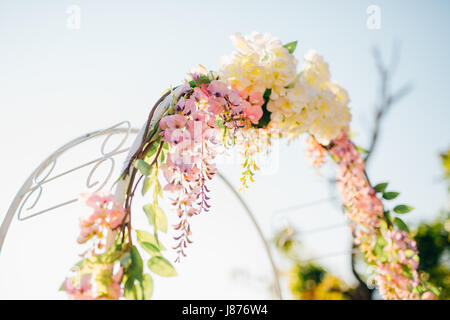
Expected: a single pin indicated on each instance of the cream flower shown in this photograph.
(312, 104)
(315, 70)
(260, 62)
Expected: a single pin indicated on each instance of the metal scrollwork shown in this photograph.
(33, 189)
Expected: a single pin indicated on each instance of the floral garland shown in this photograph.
(256, 93)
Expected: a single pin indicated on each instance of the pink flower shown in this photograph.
(251, 112)
(218, 88)
(234, 97)
(81, 292)
(175, 121)
(256, 98)
(103, 214)
(173, 136)
(189, 106)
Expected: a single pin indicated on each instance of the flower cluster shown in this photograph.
(364, 208)
(312, 104)
(259, 62)
(102, 284)
(305, 102)
(401, 254)
(191, 132)
(103, 214)
(94, 278)
(316, 152)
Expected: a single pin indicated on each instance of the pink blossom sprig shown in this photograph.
(94, 278)
(394, 252)
(192, 134)
(103, 215)
(397, 275)
(364, 208)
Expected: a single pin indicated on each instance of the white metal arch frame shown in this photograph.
(35, 182)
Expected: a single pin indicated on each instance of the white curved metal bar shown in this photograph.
(33, 182)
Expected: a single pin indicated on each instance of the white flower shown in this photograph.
(313, 104)
(315, 70)
(260, 62)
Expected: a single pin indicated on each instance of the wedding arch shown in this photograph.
(257, 96)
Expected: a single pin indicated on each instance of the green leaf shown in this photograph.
(401, 224)
(150, 212)
(403, 208)
(152, 150)
(361, 150)
(381, 187)
(136, 267)
(133, 290)
(157, 191)
(265, 119)
(143, 167)
(162, 156)
(379, 249)
(387, 216)
(161, 266)
(435, 291)
(147, 284)
(383, 225)
(146, 185)
(160, 218)
(409, 253)
(125, 260)
(150, 248)
(291, 46)
(390, 195)
(144, 236)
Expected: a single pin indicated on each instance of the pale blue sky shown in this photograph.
(57, 83)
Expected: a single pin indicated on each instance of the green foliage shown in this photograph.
(390, 195)
(144, 236)
(360, 149)
(379, 251)
(402, 208)
(138, 285)
(433, 243)
(381, 187)
(161, 266)
(445, 158)
(265, 119)
(139, 289)
(291, 46)
(146, 185)
(201, 79)
(143, 167)
(150, 248)
(400, 224)
(156, 216)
